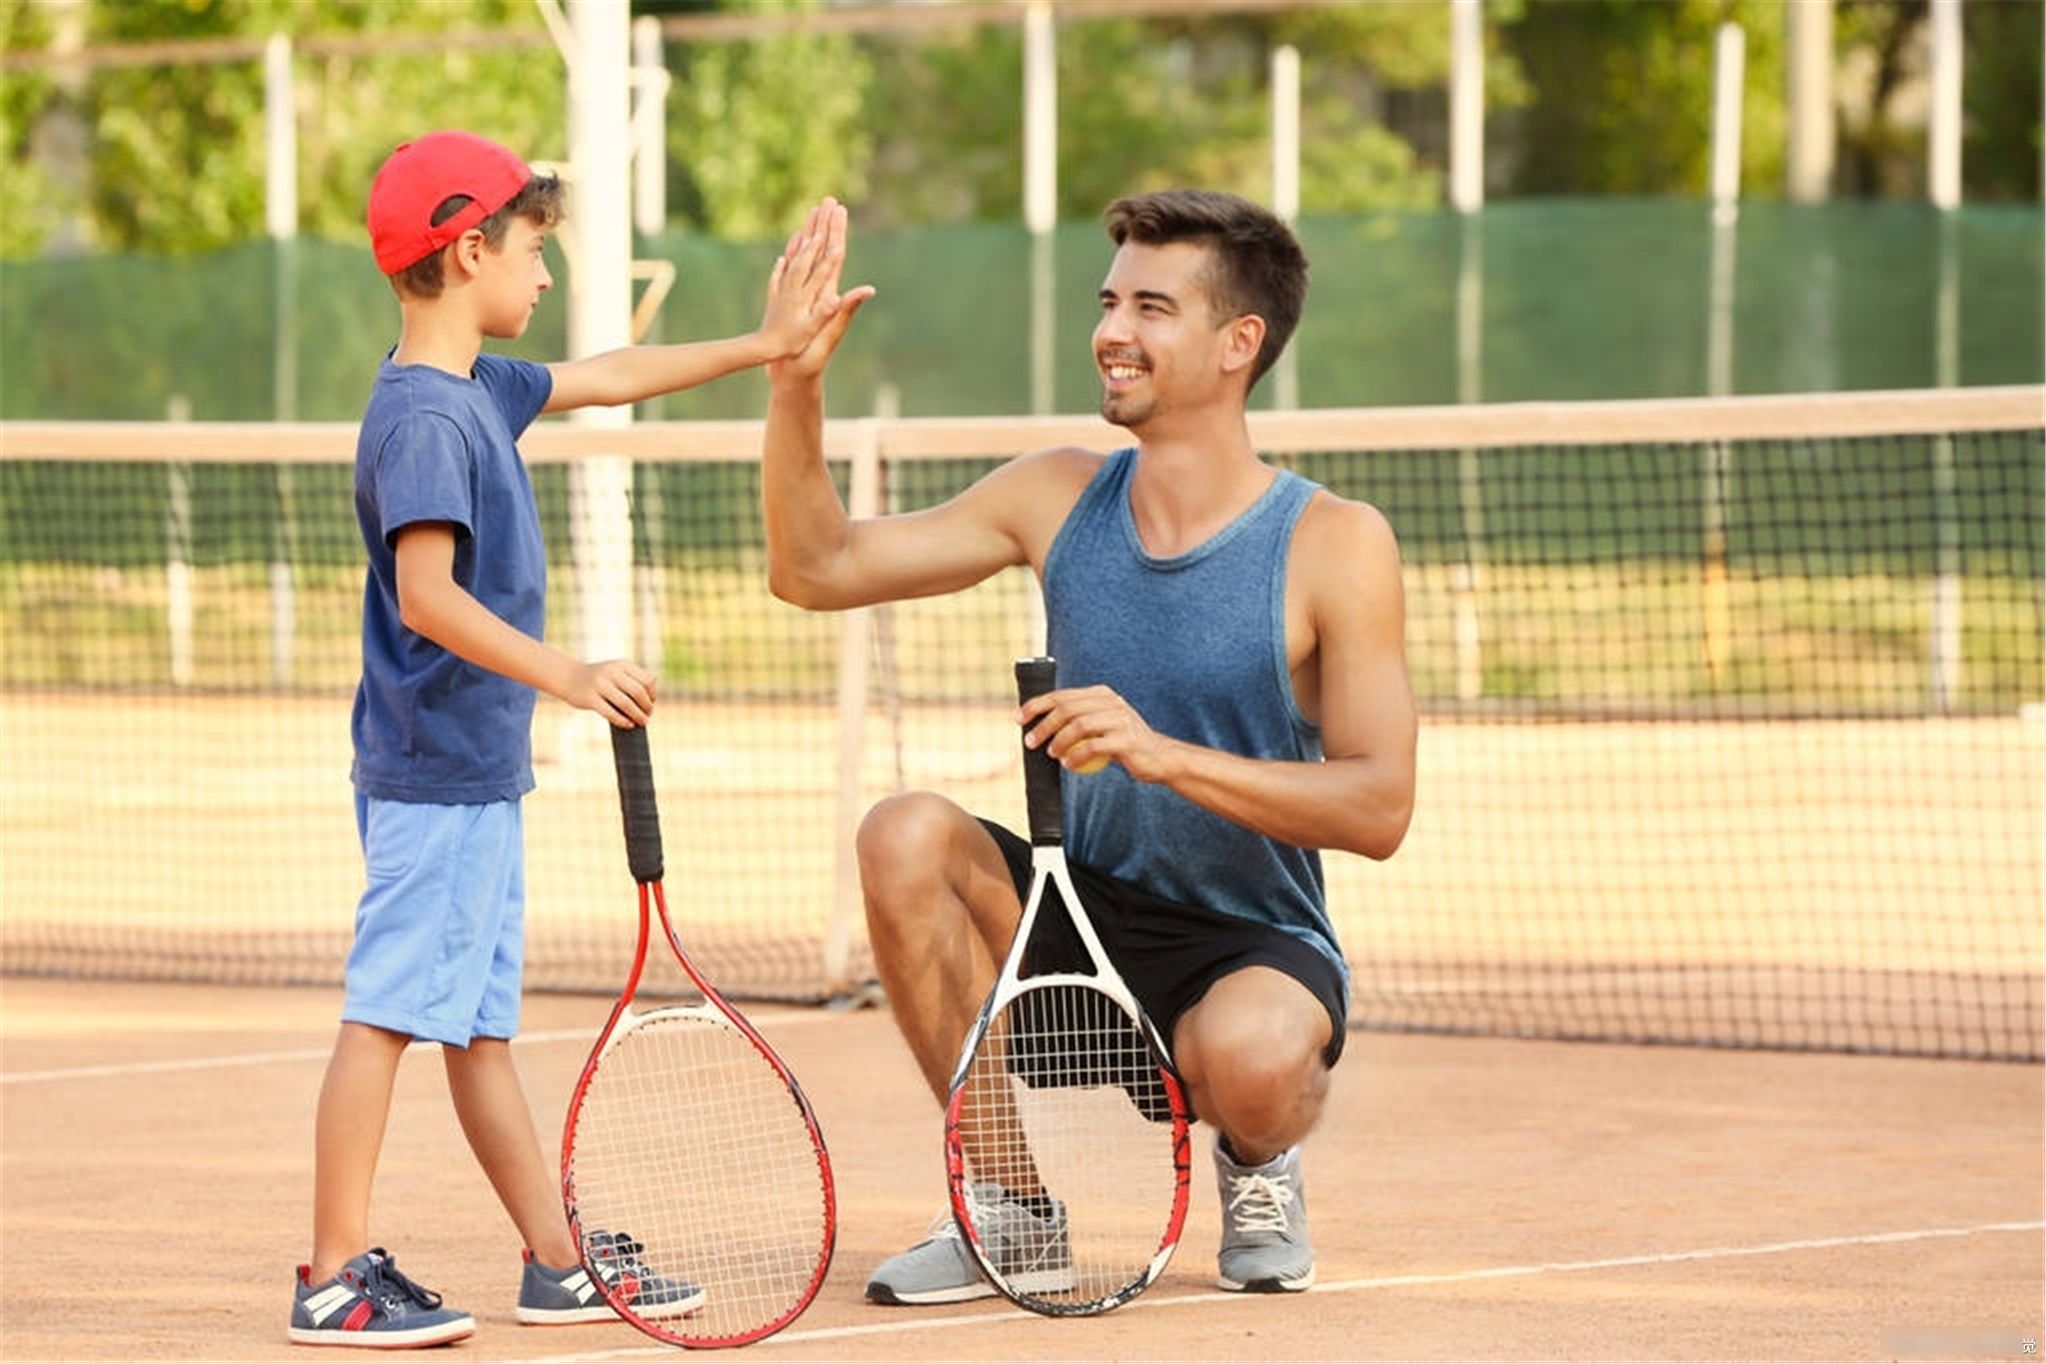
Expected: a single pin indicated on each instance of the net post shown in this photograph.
(177, 558)
(887, 407)
(1467, 577)
(1944, 679)
(1285, 117)
(863, 500)
(1729, 65)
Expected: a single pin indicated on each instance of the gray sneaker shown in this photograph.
(1032, 1252)
(1264, 1225)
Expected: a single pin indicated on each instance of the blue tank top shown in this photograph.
(1197, 644)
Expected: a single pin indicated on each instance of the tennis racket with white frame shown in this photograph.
(694, 1174)
(1066, 1143)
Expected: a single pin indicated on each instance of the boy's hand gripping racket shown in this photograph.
(1066, 1128)
(695, 1177)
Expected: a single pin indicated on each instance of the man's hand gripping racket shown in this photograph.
(1066, 1128)
(694, 1174)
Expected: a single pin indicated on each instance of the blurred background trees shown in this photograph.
(921, 124)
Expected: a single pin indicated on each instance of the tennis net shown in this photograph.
(1733, 729)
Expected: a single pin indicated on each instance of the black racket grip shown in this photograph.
(635, 765)
(1041, 772)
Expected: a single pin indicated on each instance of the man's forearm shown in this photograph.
(1351, 804)
(804, 520)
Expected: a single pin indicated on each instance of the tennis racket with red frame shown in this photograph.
(1066, 1127)
(693, 1171)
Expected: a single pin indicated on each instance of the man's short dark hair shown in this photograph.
(1258, 264)
(541, 203)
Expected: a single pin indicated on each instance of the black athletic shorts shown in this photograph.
(1170, 953)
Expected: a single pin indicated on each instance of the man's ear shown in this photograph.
(1245, 337)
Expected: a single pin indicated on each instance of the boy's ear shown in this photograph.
(465, 253)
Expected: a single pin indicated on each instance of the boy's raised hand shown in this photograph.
(806, 314)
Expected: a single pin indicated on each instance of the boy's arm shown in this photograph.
(801, 296)
(635, 373)
(433, 604)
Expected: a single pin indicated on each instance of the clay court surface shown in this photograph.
(1471, 1199)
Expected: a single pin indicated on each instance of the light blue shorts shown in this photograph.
(440, 934)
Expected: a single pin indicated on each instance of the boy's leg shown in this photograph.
(348, 1136)
(491, 1104)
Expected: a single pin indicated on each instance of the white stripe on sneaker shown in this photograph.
(328, 1301)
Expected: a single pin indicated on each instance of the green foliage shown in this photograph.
(33, 199)
(176, 150)
(922, 125)
(1623, 95)
(2000, 148)
(758, 131)
(1144, 104)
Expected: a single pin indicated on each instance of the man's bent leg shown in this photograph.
(1251, 1052)
(941, 910)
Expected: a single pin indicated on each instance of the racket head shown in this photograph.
(1065, 1094)
(692, 1160)
(1066, 1144)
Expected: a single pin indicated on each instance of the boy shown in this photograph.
(452, 655)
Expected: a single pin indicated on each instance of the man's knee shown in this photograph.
(904, 836)
(919, 852)
(1252, 1051)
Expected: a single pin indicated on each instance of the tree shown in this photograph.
(760, 129)
(1623, 96)
(1175, 100)
(35, 201)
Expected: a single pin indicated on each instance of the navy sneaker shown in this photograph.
(369, 1304)
(561, 1297)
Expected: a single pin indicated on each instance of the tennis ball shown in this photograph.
(1087, 767)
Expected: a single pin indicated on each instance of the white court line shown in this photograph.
(905, 1326)
(263, 1058)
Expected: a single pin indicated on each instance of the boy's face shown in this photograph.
(511, 280)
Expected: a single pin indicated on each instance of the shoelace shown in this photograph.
(389, 1288)
(1259, 1202)
(943, 1227)
(617, 1247)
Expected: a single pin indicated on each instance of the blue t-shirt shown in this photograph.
(431, 727)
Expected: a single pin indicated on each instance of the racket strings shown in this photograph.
(1073, 1167)
(689, 1141)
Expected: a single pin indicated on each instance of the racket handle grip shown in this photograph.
(635, 764)
(1041, 771)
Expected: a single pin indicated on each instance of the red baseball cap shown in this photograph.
(422, 174)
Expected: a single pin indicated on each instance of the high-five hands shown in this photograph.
(806, 314)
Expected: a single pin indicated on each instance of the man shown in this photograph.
(1230, 641)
